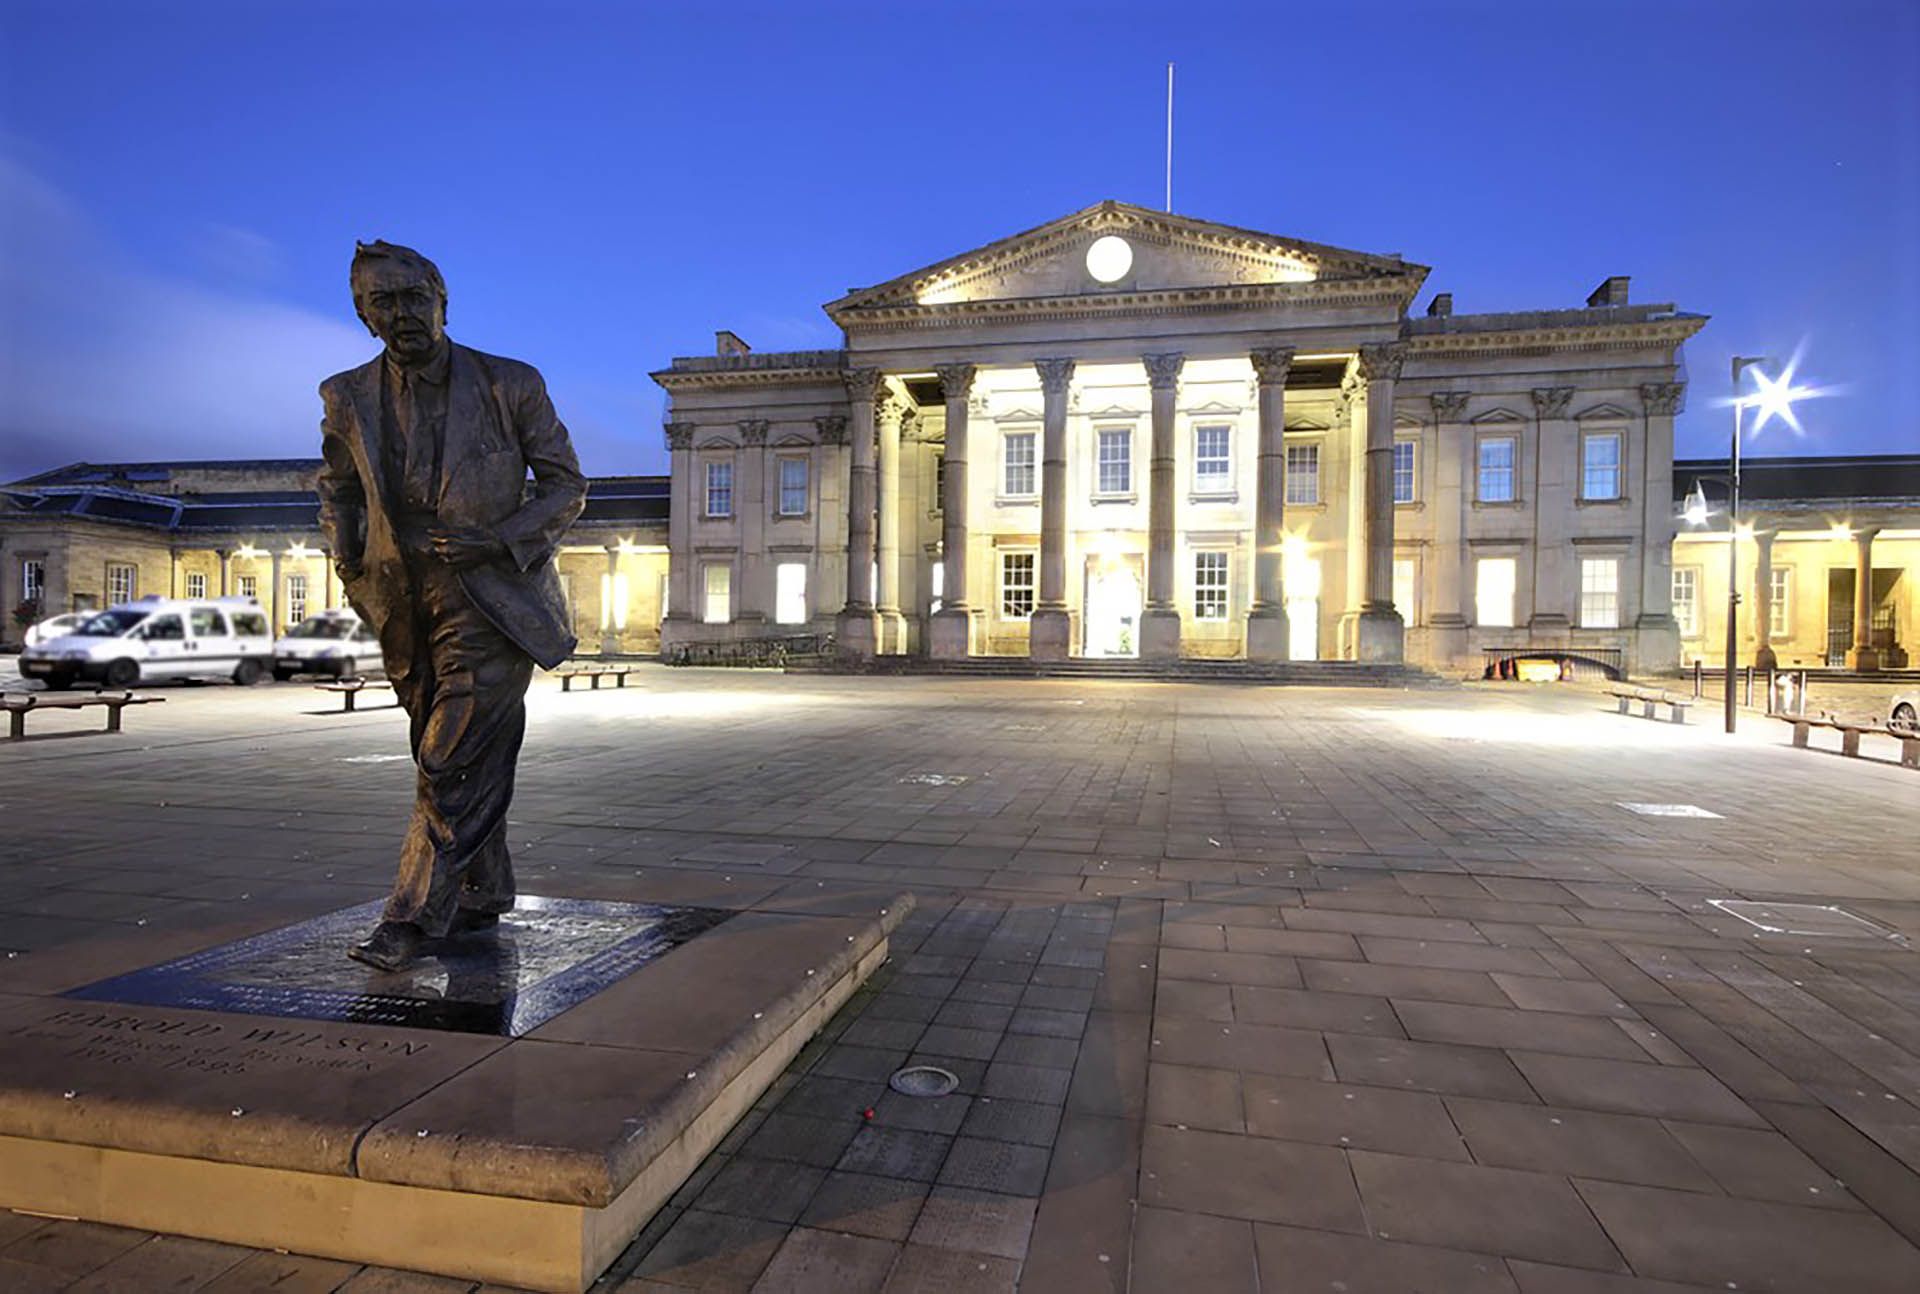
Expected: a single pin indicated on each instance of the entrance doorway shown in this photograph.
(1113, 604)
(1303, 608)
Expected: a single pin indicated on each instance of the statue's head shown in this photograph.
(400, 297)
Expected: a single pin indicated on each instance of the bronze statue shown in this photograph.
(448, 555)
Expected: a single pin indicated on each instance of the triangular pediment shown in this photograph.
(1161, 252)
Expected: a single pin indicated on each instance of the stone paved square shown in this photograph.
(1245, 987)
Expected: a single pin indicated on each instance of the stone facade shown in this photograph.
(1144, 434)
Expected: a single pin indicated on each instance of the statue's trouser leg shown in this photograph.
(465, 692)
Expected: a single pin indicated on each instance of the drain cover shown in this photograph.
(1668, 810)
(924, 1080)
(1805, 919)
(936, 779)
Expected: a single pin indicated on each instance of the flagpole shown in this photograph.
(1169, 138)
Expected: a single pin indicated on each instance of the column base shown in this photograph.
(950, 634)
(1380, 637)
(1159, 634)
(1764, 658)
(1050, 634)
(893, 632)
(856, 633)
(1863, 660)
(1267, 638)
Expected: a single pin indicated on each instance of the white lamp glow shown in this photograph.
(1109, 259)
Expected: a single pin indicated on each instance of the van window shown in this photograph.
(207, 623)
(164, 628)
(110, 624)
(362, 634)
(250, 623)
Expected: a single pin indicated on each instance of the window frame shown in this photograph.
(1412, 445)
(1122, 436)
(708, 593)
(713, 489)
(1029, 586)
(296, 591)
(780, 595)
(33, 579)
(1588, 620)
(1588, 439)
(1512, 620)
(1481, 443)
(194, 578)
(1411, 564)
(1303, 448)
(1690, 623)
(1214, 483)
(1031, 439)
(115, 570)
(247, 586)
(1779, 603)
(780, 487)
(1208, 593)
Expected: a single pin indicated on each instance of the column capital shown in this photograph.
(1055, 375)
(1271, 364)
(1662, 397)
(679, 435)
(1381, 362)
(861, 383)
(1163, 370)
(1864, 535)
(888, 411)
(1551, 401)
(1449, 404)
(956, 380)
(753, 430)
(832, 428)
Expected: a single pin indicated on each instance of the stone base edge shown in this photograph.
(534, 1244)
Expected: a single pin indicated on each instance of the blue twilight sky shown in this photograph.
(604, 184)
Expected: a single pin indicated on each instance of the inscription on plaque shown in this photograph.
(103, 1036)
(546, 955)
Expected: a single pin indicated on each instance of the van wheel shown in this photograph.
(123, 673)
(1903, 718)
(247, 673)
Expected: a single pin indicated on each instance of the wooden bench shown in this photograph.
(1676, 706)
(350, 689)
(618, 673)
(1851, 730)
(17, 704)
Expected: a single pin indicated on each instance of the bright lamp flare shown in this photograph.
(1774, 397)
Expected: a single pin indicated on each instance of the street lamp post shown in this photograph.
(1740, 364)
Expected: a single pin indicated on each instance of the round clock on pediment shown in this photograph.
(1109, 259)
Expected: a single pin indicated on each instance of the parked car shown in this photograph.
(334, 643)
(1904, 711)
(158, 638)
(55, 627)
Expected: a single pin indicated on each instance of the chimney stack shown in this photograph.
(1441, 306)
(729, 343)
(1611, 292)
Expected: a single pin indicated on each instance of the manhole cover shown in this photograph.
(1668, 810)
(936, 779)
(372, 759)
(1805, 919)
(924, 1080)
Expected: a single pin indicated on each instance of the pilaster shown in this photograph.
(753, 606)
(856, 630)
(1381, 634)
(1555, 449)
(950, 636)
(1267, 637)
(1050, 630)
(1160, 621)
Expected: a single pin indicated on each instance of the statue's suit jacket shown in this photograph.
(499, 425)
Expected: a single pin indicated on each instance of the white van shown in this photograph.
(333, 643)
(158, 638)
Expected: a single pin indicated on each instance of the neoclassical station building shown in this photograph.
(1132, 433)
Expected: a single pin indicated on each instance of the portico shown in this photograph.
(1130, 433)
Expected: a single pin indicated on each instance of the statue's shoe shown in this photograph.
(468, 921)
(392, 946)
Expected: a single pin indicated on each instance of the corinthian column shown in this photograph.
(1451, 496)
(1160, 622)
(1050, 631)
(1864, 657)
(856, 631)
(1381, 633)
(950, 637)
(1267, 618)
(893, 628)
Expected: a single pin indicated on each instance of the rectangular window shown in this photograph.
(1210, 586)
(615, 597)
(937, 586)
(1116, 462)
(1303, 473)
(1496, 470)
(120, 583)
(196, 584)
(939, 482)
(793, 487)
(790, 593)
(1016, 585)
(1212, 459)
(1018, 477)
(1403, 471)
(296, 599)
(1600, 593)
(1600, 466)
(33, 580)
(1403, 587)
(719, 489)
(1493, 586)
(247, 586)
(1686, 600)
(1779, 602)
(719, 587)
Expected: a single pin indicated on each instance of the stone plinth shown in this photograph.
(513, 1110)
(1049, 634)
(1159, 635)
(1381, 638)
(1267, 636)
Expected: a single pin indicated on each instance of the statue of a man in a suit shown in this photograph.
(447, 553)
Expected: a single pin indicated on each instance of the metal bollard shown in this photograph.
(1696, 678)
